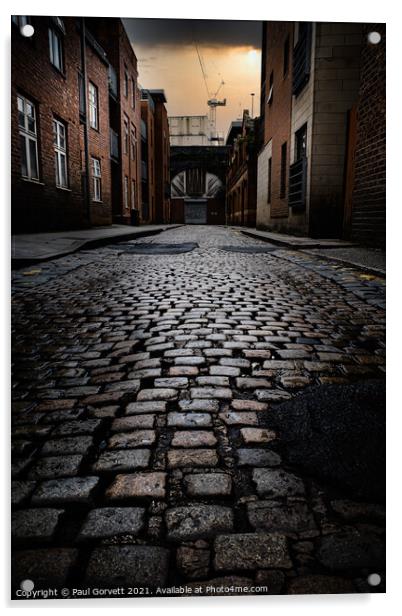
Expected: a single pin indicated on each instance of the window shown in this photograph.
(133, 142)
(301, 143)
(126, 192)
(125, 85)
(286, 57)
(60, 152)
(56, 49)
(96, 179)
(133, 91)
(269, 179)
(284, 154)
(93, 106)
(271, 89)
(302, 57)
(126, 139)
(133, 196)
(28, 138)
(20, 20)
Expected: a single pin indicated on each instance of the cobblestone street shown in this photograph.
(182, 407)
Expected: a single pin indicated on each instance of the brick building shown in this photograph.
(241, 177)
(147, 157)
(162, 158)
(124, 117)
(365, 194)
(311, 79)
(155, 157)
(60, 171)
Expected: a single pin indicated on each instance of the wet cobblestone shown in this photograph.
(142, 391)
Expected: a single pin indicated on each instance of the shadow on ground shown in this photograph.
(337, 433)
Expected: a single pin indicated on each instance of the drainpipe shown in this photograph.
(86, 135)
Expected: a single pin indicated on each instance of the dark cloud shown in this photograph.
(176, 32)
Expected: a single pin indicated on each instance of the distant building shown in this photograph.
(241, 177)
(193, 130)
(313, 75)
(198, 184)
(147, 157)
(162, 158)
(189, 130)
(155, 157)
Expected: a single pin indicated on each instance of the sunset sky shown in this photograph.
(167, 58)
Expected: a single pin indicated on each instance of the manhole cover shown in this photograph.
(249, 249)
(155, 249)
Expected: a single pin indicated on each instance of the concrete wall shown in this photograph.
(336, 84)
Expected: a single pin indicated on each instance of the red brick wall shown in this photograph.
(368, 202)
(162, 163)
(112, 36)
(149, 119)
(99, 139)
(277, 118)
(41, 206)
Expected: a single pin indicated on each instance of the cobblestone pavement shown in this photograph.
(143, 452)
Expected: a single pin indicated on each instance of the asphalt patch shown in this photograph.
(155, 249)
(337, 433)
(249, 249)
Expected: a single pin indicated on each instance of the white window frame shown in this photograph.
(93, 104)
(126, 204)
(29, 135)
(96, 179)
(56, 49)
(60, 152)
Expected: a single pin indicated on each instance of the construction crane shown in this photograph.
(213, 102)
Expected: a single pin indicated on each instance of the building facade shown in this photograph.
(155, 157)
(60, 155)
(147, 157)
(124, 117)
(198, 191)
(365, 198)
(241, 178)
(311, 78)
(189, 130)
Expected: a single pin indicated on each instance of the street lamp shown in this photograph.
(252, 103)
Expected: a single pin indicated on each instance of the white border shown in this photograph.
(338, 10)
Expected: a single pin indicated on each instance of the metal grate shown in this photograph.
(302, 59)
(297, 184)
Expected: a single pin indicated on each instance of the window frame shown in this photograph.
(126, 135)
(96, 171)
(133, 194)
(125, 82)
(126, 193)
(93, 106)
(133, 143)
(283, 171)
(269, 193)
(133, 97)
(54, 35)
(60, 152)
(29, 136)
